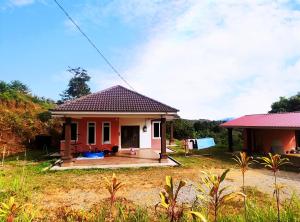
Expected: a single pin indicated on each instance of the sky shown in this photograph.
(209, 59)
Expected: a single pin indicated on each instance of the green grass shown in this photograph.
(26, 180)
(216, 157)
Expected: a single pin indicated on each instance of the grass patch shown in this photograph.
(75, 189)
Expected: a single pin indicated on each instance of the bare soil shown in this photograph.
(82, 191)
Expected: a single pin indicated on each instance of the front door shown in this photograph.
(130, 136)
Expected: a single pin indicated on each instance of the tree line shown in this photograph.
(186, 129)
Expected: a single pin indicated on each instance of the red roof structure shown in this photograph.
(115, 99)
(274, 120)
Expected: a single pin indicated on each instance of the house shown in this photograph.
(114, 117)
(278, 132)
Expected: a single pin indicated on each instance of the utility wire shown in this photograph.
(93, 45)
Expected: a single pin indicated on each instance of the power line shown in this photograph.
(93, 45)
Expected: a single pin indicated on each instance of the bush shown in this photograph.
(44, 116)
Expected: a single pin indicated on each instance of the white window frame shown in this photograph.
(87, 133)
(109, 141)
(159, 129)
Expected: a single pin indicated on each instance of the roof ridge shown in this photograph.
(116, 91)
(265, 114)
(83, 97)
(147, 97)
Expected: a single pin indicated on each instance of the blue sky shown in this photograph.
(37, 44)
(210, 59)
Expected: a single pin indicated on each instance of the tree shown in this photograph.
(18, 86)
(183, 129)
(3, 86)
(77, 86)
(284, 104)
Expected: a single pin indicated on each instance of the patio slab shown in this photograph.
(123, 159)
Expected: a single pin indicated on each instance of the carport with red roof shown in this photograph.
(277, 133)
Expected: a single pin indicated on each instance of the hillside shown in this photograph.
(22, 117)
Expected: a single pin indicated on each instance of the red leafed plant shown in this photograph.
(113, 185)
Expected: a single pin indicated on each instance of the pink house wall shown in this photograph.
(265, 139)
(82, 134)
(155, 142)
(82, 146)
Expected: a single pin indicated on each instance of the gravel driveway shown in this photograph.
(261, 179)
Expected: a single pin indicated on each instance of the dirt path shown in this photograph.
(143, 187)
(260, 179)
(263, 180)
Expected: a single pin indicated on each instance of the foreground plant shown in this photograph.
(113, 186)
(213, 194)
(169, 199)
(274, 162)
(243, 161)
(9, 211)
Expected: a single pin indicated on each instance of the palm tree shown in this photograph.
(274, 162)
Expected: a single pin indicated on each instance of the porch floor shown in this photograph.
(123, 159)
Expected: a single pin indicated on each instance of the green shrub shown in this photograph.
(265, 213)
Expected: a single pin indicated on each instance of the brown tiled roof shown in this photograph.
(115, 99)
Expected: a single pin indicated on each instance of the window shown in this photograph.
(156, 130)
(73, 131)
(106, 133)
(74, 134)
(91, 130)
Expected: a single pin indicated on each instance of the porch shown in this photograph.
(122, 159)
(111, 135)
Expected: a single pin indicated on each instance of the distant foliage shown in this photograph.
(18, 86)
(284, 104)
(23, 116)
(184, 129)
(77, 86)
(19, 93)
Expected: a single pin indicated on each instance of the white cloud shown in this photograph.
(21, 2)
(222, 59)
(216, 59)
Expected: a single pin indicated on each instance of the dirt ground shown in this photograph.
(83, 191)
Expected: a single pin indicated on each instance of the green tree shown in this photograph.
(183, 129)
(18, 86)
(284, 104)
(3, 86)
(77, 86)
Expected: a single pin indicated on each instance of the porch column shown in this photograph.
(163, 145)
(297, 137)
(230, 143)
(249, 134)
(67, 157)
(171, 141)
